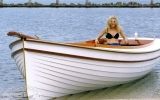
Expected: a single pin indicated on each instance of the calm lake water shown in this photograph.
(76, 24)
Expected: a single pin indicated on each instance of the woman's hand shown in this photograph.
(126, 41)
(96, 41)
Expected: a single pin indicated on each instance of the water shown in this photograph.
(75, 24)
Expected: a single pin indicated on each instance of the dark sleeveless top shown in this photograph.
(109, 36)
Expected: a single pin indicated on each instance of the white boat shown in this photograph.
(53, 70)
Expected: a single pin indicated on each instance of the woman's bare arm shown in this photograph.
(123, 34)
(101, 33)
(99, 36)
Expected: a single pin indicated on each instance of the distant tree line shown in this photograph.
(89, 4)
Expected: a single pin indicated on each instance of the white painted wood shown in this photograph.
(19, 59)
(103, 53)
(51, 75)
(16, 47)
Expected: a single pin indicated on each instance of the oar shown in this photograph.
(21, 35)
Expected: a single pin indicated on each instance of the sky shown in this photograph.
(76, 1)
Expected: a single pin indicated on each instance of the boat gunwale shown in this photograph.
(92, 48)
(77, 56)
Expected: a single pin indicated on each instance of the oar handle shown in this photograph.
(21, 35)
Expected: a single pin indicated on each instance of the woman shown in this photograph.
(112, 32)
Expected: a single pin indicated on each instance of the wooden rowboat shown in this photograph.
(58, 69)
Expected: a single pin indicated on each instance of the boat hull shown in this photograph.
(54, 70)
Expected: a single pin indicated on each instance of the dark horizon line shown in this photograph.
(81, 3)
(88, 5)
(80, 6)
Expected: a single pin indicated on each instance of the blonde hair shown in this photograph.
(108, 25)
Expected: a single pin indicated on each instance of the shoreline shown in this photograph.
(76, 6)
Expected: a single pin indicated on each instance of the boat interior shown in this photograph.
(132, 43)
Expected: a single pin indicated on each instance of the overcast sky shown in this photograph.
(75, 1)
